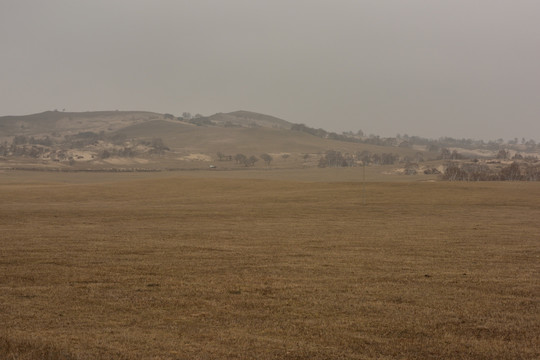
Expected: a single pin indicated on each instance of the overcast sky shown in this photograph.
(460, 68)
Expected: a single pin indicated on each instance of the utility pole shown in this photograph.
(363, 183)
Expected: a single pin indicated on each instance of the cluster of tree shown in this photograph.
(114, 152)
(83, 139)
(88, 138)
(303, 128)
(446, 154)
(481, 172)
(504, 154)
(42, 147)
(196, 119)
(448, 142)
(530, 145)
(346, 136)
(24, 140)
(34, 151)
(527, 158)
(202, 121)
(186, 116)
(411, 168)
(244, 160)
(325, 134)
(433, 145)
(334, 158)
(379, 159)
(156, 145)
(22, 145)
(222, 157)
(124, 148)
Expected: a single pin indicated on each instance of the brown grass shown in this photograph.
(256, 269)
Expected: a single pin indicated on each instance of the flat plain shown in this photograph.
(171, 266)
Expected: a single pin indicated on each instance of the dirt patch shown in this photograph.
(196, 157)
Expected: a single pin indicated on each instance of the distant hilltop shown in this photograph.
(61, 121)
(248, 118)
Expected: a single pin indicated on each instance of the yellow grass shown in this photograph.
(210, 268)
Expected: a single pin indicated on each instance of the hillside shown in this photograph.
(249, 119)
(181, 136)
(144, 140)
(56, 123)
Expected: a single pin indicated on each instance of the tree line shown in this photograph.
(433, 145)
(481, 172)
(242, 159)
(333, 158)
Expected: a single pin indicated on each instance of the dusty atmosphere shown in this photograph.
(269, 180)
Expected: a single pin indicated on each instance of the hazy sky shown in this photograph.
(460, 68)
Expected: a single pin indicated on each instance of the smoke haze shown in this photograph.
(422, 67)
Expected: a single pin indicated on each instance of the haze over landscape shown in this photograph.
(300, 180)
(465, 69)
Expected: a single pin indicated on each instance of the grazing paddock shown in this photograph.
(179, 268)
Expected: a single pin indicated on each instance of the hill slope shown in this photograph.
(63, 123)
(150, 140)
(249, 119)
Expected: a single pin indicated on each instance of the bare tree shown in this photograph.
(532, 173)
(511, 172)
(454, 173)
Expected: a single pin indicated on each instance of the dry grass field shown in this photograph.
(215, 268)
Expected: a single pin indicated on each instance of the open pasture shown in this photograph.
(214, 268)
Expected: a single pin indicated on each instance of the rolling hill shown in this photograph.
(249, 119)
(64, 123)
(146, 140)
